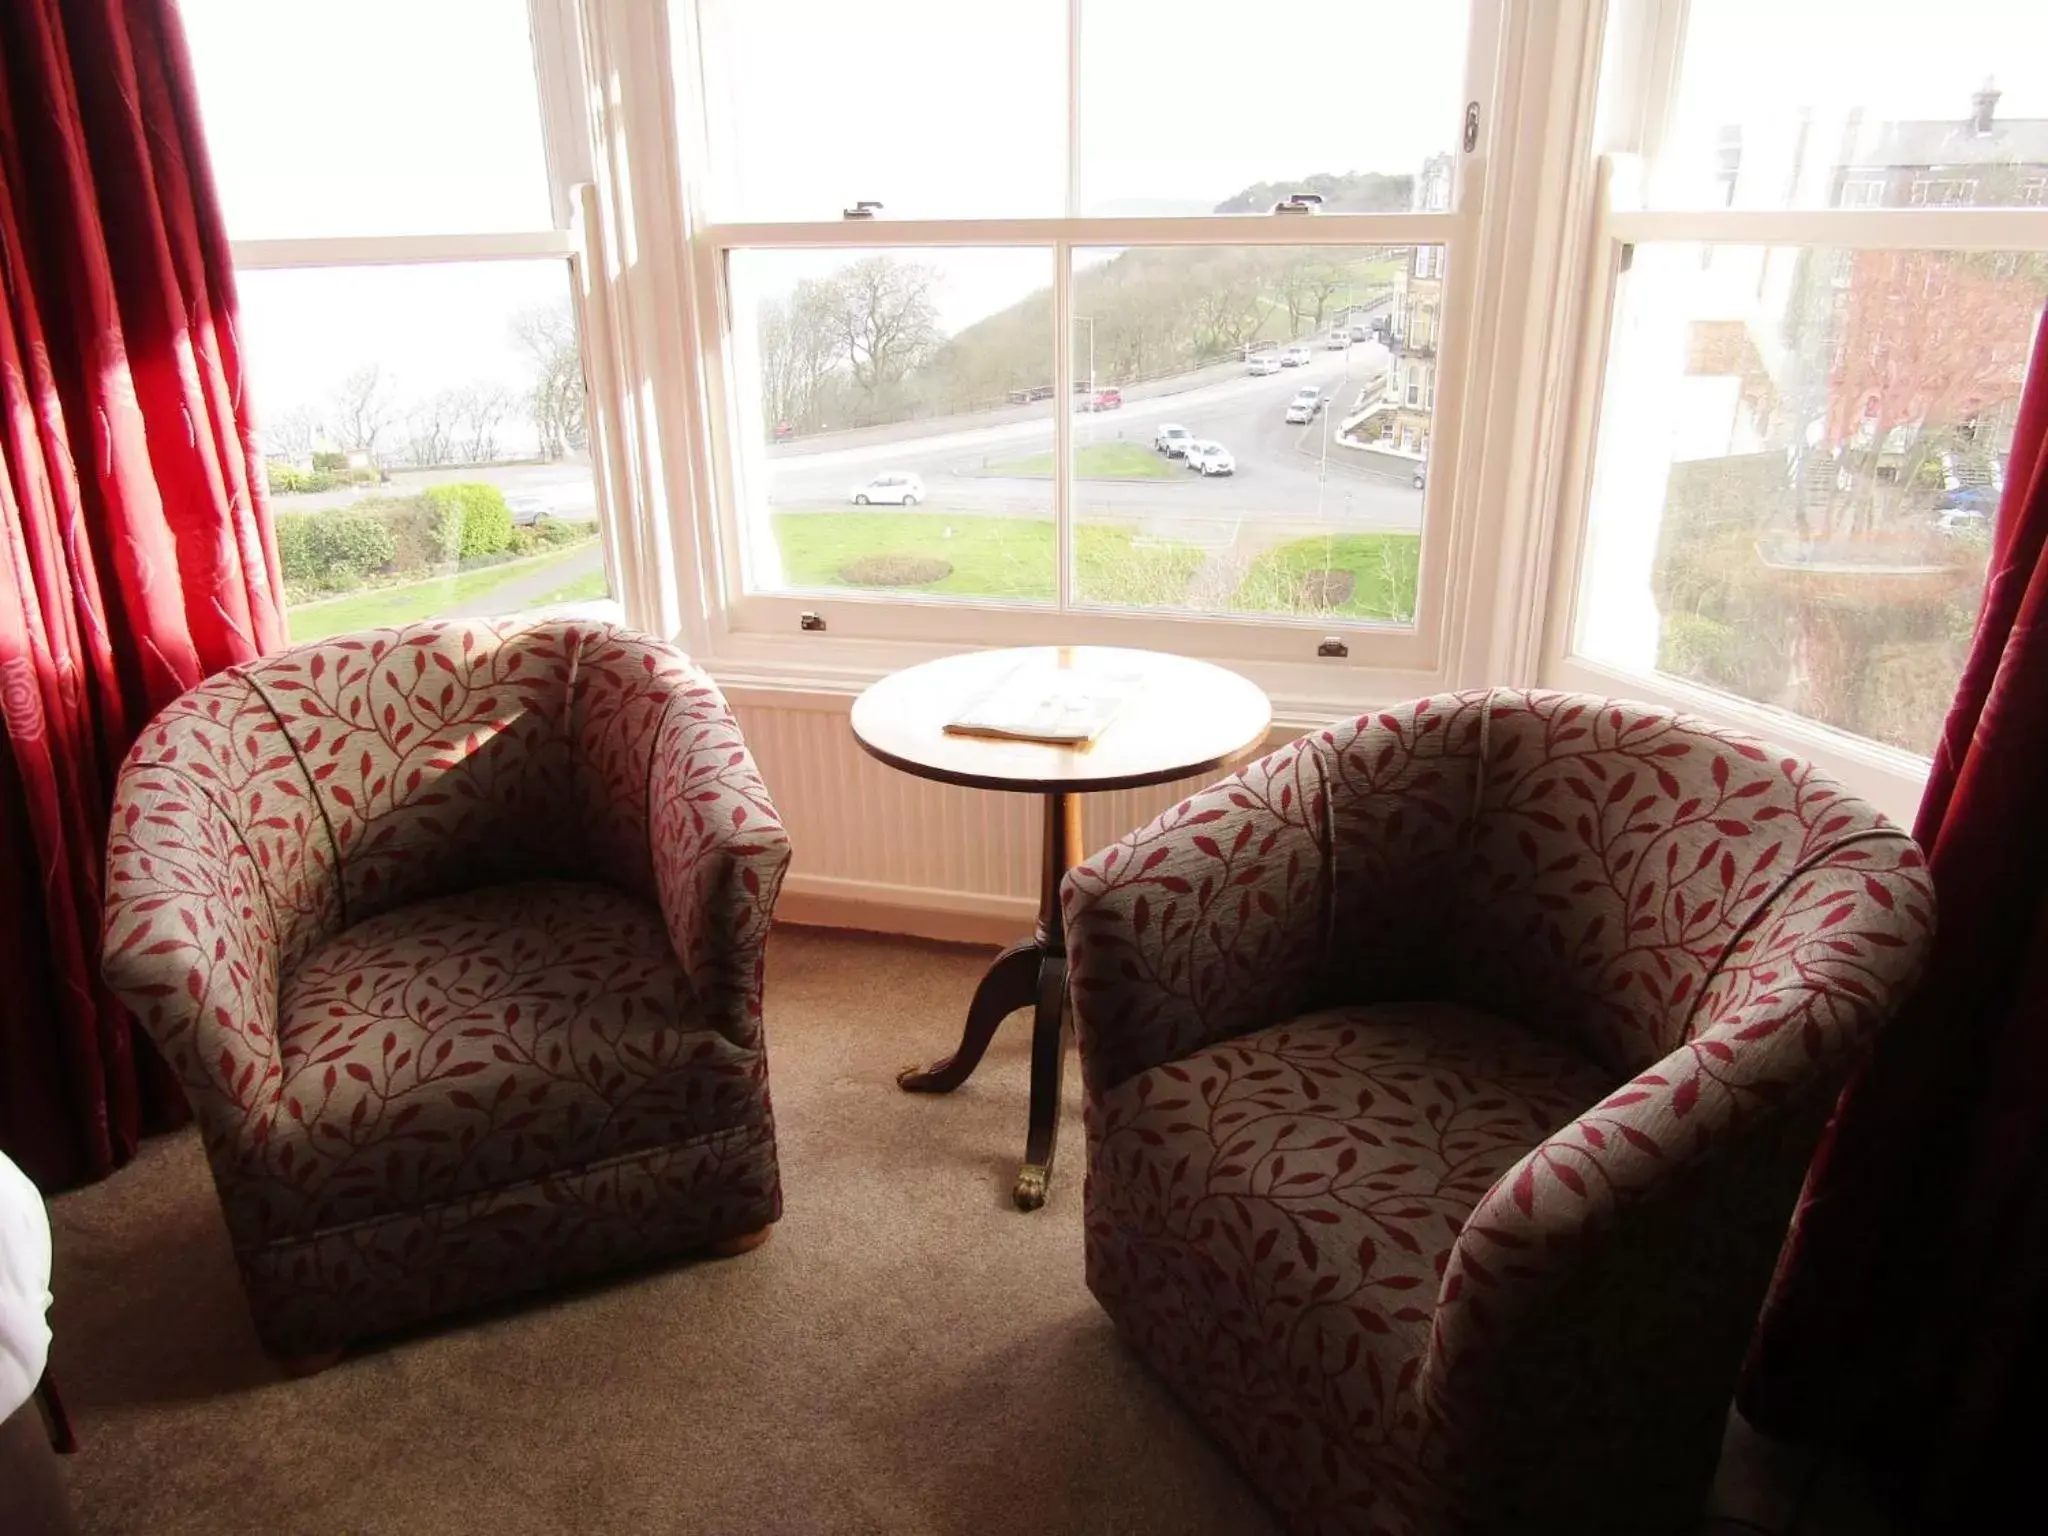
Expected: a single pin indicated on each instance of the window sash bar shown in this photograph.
(1217, 229)
(402, 250)
(1884, 229)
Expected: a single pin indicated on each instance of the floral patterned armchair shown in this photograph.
(454, 936)
(1450, 1079)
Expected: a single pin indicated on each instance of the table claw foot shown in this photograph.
(1034, 1182)
(922, 1077)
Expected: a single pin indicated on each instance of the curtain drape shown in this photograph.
(1911, 1305)
(136, 553)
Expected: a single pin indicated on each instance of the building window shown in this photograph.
(1787, 516)
(1060, 380)
(407, 307)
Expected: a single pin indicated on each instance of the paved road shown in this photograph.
(1289, 477)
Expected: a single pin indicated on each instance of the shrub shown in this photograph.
(326, 551)
(331, 462)
(478, 513)
(295, 548)
(290, 480)
(423, 536)
(348, 543)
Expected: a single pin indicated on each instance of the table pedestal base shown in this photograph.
(1031, 974)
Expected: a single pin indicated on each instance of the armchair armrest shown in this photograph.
(719, 853)
(190, 945)
(1207, 923)
(1703, 1152)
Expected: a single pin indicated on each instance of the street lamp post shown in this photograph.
(1089, 321)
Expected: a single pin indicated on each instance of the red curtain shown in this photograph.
(1911, 1307)
(136, 554)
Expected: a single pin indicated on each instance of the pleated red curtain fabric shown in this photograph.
(136, 552)
(1910, 1314)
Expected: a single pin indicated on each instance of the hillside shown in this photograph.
(1350, 192)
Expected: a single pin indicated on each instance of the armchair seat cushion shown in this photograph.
(1270, 1218)
(470, 1042)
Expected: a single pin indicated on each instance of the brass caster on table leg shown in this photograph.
(1032, 1184)
(733, 1247)
(298, 1366)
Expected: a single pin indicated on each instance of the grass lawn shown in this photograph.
(383, 606)
(1004, 557)
(1302, 576)
(1096, 461)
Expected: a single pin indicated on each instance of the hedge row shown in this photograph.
(438, 529)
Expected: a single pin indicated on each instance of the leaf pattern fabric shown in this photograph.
(454, 935)
(1450, 1076)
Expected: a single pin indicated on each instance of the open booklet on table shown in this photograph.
(1037, 701)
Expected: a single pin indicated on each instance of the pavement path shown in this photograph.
(529, 587)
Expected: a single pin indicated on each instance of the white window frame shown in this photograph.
(1651, 34)
(758, 635)
(568, 238)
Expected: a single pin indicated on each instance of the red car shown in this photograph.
(1106, 400)
(784, 431)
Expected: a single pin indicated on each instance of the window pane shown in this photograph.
(1800, 453)
(902, 406)
(933, 108)
(375, 117)
(424, 432)
(1210, 106)
(1860, 104)
(1255, 431)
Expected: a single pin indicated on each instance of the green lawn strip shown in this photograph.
(1005, 557)
(381, 607)
(1113, 567)
(1382, 566)
(1095, 461)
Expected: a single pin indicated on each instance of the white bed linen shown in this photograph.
(24, 1287)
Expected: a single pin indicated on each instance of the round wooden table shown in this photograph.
(1180, 717)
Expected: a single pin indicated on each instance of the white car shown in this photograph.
(1259, 364)
(1211, 459)
(527, 511)
(897, 488)
(1337, 340)
(1294, 357)
(1172, 440)
(1305, 404)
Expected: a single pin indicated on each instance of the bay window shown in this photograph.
(1818, 296)
(401, 231)
(1070, 320)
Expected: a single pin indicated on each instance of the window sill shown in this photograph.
(830, 673)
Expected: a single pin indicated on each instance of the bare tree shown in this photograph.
(1306, 281)
(1226, 304)
(886, 317)
(291, 434)
(555, 398)
(363, 410)
(800, 349)
(430, 428)
(479, 409)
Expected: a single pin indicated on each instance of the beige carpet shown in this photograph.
(909, 1354)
